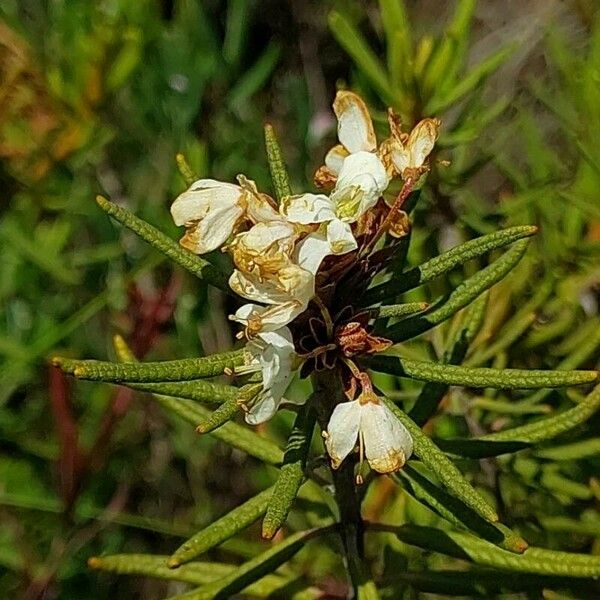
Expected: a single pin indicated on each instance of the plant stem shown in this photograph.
(328, 393)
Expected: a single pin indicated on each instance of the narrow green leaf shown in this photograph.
(477, 448)
(222, 529)
(446, 470)
(164, 244)
(255, 77)
(184, 169)
(458, 29)
(478, 377)
(229, 409)
(198, 573)
(348, 36)
(466, 546)
(469, 82)
(279, 174)
(563, 486)
(549, 427)
(458, 513)
(230, 433)
(582, 352)
(401, 310)
(574, 451)
(437, 66)
(235, 435)
(218, 417)
(432, 393)
(506, 407)
(399, 41)
(462, 296)
(516, 326)
(291, 474)
(235, 31)
(255, 568)
(199, 390)
(566, 525)
(153, 565)
(446, 262)
(168, 370)
(485, 584)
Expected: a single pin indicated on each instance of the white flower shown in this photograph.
(333, 235)
(409, 152)
(287, 293)
(272, 353)
(264, 249)
(355, 130)
(212, 211)
(361, 181)
(386, 443)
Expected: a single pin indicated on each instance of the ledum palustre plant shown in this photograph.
(324, 274)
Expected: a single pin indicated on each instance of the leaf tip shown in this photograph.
(268, 531)
(173, 562)
(102, 202)
(94, 562)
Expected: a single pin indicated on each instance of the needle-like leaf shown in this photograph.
(292, 471)
(184, 258)
(446, 262)
(446, 470)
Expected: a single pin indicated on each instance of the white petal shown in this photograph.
(297, 282)
(260, 210)
(334, 159)
(307, 208)
(262, 236)
(243, 312)
(201, 197)
(252, 289)
(362, 164)
(274, 351)
(421, 141)
(311, 251)
(387, 442)
(263, 409)
(267, 318)
(282, 338)
(210, 209)
(342, 431)
(212, 231)
(355, 128)
(401, 157)
(259, 207)
(292, 283)
(340, 237)
(361, 182)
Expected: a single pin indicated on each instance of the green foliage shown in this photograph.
(107, 94)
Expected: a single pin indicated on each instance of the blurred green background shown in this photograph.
(99, 97)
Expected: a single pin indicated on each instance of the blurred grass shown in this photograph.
(99, 97)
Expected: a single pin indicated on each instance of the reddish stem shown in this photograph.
(392, 215)
(149, 315)
(70, 459)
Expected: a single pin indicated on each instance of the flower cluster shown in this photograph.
(302, 263)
